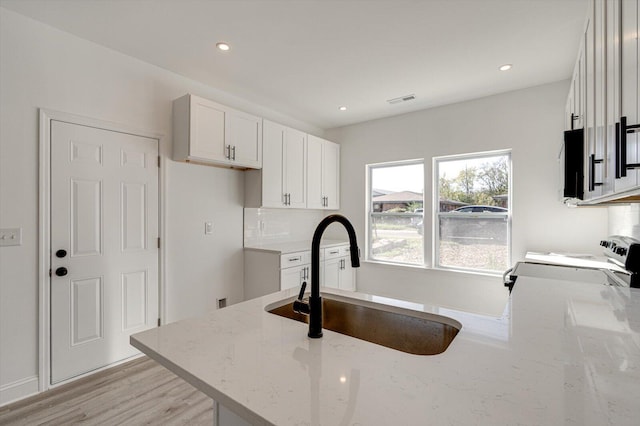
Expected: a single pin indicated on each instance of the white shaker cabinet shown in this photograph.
(629, 94)
(281, 183)
(268, 271)
(323, 174)
(338, 272)
(210, 133)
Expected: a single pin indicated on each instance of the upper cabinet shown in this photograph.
(298, 171)
(281, 182)
(210, 133)
(323, 174)
(604, 100)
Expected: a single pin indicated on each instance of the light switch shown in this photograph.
(208, 228)
(10, 237)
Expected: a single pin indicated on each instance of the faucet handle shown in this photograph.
(301, 306)
(302, 289)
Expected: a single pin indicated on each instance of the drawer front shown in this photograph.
(334, 252)
(290, 260)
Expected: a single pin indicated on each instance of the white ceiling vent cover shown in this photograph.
(404, 98)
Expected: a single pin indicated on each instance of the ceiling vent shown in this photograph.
(400, 99)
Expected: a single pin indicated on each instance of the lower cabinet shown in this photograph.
(338, 272)
(267, 272)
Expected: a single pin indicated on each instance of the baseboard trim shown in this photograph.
(20, 389)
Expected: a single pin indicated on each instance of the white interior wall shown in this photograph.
(530, 123)
(44, 67)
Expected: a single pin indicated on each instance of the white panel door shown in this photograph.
(104, 255)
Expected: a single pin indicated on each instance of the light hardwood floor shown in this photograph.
(139, 392)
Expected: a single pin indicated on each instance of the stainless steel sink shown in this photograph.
(413, 332)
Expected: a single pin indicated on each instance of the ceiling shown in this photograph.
(306, 58)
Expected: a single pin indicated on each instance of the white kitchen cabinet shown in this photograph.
(629, 92)
(338, 272)
(210, 133)
(281, 183)
(611, 97)
(269, 271)
(323, 174)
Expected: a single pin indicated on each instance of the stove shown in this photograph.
(619, 265)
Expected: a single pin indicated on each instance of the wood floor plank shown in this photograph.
(140, 392)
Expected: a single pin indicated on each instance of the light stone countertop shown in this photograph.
(562, 353)
(293, 246)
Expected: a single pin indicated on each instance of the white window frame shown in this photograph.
(436, 214)
(370, 213)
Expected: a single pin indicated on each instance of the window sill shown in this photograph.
(431, 268)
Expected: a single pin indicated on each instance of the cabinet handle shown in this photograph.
(233, 149)
(618, 172)
(334, 252)
(306, 271)
(623, 146)
(228, 149)
(624, 130)
(592, 172)
(294, 259)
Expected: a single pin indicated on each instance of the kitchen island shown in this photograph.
(562, 353)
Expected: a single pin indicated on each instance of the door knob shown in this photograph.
(61, 253)
(61, 271)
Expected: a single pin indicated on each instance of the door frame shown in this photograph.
(44, 231)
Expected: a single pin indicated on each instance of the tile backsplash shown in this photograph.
(625, 220)
(267, 226)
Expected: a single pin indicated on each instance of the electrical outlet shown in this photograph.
(10, 237)
(208, 228)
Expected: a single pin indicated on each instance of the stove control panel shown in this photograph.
(624, 251)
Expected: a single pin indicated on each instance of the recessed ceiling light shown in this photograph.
(223, 46)
(342, 108)
(505, 67)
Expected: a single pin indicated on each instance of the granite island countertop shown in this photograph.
(562, 353)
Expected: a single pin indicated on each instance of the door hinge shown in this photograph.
(158, 161)
(158, 242)
(158, 322)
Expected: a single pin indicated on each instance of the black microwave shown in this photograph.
(574, 164)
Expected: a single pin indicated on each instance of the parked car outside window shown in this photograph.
(481, 209)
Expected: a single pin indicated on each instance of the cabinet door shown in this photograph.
(243, 137)
(332, 272)
(331, 175)
(272, 164)
(294, 168)
(206, 131)
(293, 277)
(347, 275)
(629, 87)
(323, 174)
(613, 73)
(600, 142)
(314, 173)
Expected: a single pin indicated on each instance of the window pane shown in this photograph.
(473, 213)
(396, 213)
(474, 242)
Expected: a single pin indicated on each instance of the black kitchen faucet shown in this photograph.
(313, 307)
